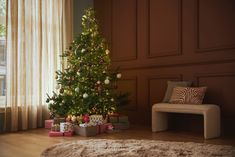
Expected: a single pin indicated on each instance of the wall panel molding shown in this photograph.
(176, 64)
(198, 76)
(153, 41)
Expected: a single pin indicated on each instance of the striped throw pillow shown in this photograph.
(188, 95)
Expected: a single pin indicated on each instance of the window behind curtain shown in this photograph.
(2, 53)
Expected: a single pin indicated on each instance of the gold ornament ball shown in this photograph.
(107, 51)
(74, 118)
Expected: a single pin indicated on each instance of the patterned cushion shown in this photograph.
(171, 85)
(188, 95)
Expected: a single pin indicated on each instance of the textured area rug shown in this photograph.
(136, 148)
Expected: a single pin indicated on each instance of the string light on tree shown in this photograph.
(77, 90)
(87, 85)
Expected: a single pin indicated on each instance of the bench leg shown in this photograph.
(159, 121)
(212, 123)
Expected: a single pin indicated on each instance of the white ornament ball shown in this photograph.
(107, 52)
(84, 16)
(98, 82)
(57, 86)
(106, 81)
(85, 95)
(78, 73)
(83, 50)
(77, 89)
(119, 75)
(112, 99)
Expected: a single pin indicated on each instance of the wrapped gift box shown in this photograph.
(48, 123)
(121, 126)
(55, 127)
(109, 126)
(113, 118)
(116, 118)
(76, 129)
(102, 128)
(55, 134)
(123, 119)
(68, 133)
(88, 131)
(96, 119)
(66, 127)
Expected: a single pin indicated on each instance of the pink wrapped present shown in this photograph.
(68, 133)
(55, 134)
(48, 123)
(103, 128)
(109, 126)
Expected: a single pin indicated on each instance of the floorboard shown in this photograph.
(31, 143)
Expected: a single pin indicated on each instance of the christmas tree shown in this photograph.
(87, 85)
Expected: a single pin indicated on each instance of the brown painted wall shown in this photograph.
(158, 40)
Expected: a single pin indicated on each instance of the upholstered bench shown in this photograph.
(211, 114)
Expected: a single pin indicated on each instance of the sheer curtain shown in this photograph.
(37, 33)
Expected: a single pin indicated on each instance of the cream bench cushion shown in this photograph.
(210, 112)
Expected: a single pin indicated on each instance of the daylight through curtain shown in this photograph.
(37, 33)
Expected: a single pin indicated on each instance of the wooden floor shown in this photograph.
(32, 143)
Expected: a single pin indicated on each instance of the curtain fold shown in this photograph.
(37, 33)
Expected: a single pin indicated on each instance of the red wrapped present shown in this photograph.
(68, 133)
(102, 128)
(55, 134)
(48, 123)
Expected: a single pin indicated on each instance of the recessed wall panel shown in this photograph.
(124, 30)
(164, 27)
(215, 23)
